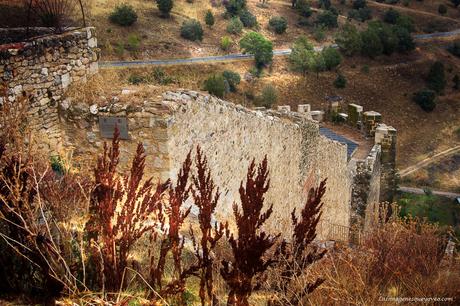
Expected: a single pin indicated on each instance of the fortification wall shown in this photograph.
(231, 135)
(43, 68)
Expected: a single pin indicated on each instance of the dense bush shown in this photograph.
(426, 99)
(454, 48)
(278, 24)
(248, 19)
(436, 79)
(349, 40)
(327, 19)
(331, 57)
(209, 18)
(340, 81)
(235, 26)
(234, 7)
(191, 30)
(268, 96)
(371, 43)
(232, 78)
(165, 7)
(391, 16)
(123, 15)
(215, 85)
(303, 8)
(442, 9)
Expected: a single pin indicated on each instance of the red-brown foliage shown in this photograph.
(122, 210)
(251, 244)
(206, 196)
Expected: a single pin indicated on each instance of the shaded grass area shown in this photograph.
(436, 209)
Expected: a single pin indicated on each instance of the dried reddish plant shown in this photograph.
(252, 243)
(300, 253)
(172, 243)
(206, 196)
(122, 210)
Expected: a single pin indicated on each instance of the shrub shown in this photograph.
(232, 78)
(161, 77)
(165, 7)
(405, 41)
(426, 99)
(349, 40)
(123, 15)
(278, 24)
(436, 77)
(406, 22)
(192, 30)
(319, 33)
(235, 26)
(371, 43)
(301, 56)
(340, 81)
(454, 49)
(331, 57)
(133, 42)
(136, 79)
(234, 7)
(209, 18)
(303, 8)
(248, 19)
(225, 43)
(442, 9)
(327, 19)
(259, 46)
(456, 80)
(215, 85)
(357, 4)
(268, 96)
(391, 16)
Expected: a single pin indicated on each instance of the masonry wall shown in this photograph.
(231, 135)
(43, 68)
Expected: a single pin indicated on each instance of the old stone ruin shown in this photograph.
(300, 151)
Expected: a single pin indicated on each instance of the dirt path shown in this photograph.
(451, 195)
(429, 160)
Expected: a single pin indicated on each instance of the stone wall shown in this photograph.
(43, 68)
(231, 136)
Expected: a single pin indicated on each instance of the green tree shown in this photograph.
(225, 43)
(426, 99)
(406, 22)
(442, 9)
(358, 4)
(331, 57)
(248, 19)
(436, 77)
(405, 41)
(165, 7)
(209, 18)
(349, 40)
(387, 37)
(256, 44)
(268, 96)
(371, 43)
(215, 85)
(301, 56)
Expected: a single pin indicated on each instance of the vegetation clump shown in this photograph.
(278, 24)
(124, 15)
(192, 30)
(165, 7)
(426, 99)
(256, 44)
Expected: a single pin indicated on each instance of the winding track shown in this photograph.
(237, 56)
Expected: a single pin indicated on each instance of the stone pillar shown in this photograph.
(284, 108)
(354, 114)
(371, 120)
(385, 136)
(304, 108)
